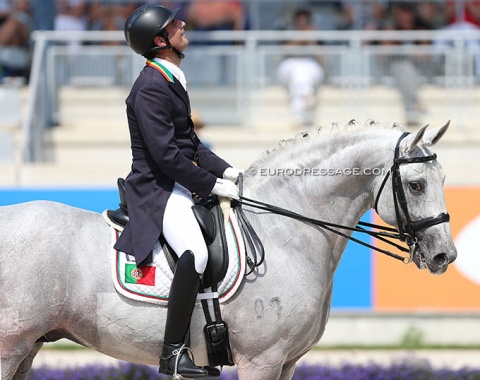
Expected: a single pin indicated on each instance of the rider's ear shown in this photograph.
(159, 41)
(413, 139)
(433, 135)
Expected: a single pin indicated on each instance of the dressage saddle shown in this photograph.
(210, 219)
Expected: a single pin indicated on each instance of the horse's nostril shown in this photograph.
(440, 259)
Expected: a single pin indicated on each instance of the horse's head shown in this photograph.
(414, 202)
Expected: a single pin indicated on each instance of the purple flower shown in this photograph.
(397, 371)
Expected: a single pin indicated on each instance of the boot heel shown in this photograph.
(175, 362)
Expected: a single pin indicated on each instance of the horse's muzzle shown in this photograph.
(438, 264)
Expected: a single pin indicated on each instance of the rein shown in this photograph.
(405, 233)
(254, 242)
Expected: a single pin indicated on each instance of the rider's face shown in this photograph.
(176, 34)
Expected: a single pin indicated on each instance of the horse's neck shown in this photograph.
(340, 199)
(329, 188)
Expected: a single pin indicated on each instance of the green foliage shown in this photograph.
(413, 338)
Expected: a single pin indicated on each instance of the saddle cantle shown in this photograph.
(210, 220)
(120, 215)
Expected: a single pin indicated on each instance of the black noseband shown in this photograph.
(431, 221)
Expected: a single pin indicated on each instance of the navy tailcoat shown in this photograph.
(164, 149)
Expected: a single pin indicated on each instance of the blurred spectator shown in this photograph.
(15, 28)
(365, 14)
(463, 17)
(71, 16)
(5, 8)
(215, 15)
(325, 14)
(463, 11)
(301, 74)
(43, 13)
(110, 14)
(403, 69)
(210, 15)
(432, 14)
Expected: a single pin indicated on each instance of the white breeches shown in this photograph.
(181, 229)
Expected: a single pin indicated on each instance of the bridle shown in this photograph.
(406, 232)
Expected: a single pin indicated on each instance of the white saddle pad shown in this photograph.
(151, 283)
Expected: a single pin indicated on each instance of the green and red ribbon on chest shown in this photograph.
(162, 69)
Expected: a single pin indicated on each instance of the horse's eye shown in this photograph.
(415, 186)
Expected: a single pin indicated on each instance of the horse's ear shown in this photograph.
(413, 139)
(433, 135)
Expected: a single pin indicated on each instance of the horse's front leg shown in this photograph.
(14, 349)
(266, 366)
(26, 364)
(265, 372)
(287, 372)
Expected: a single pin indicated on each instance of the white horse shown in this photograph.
(55, 279)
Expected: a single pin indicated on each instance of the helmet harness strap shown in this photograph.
(164, 34)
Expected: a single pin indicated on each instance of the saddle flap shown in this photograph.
(206, 221)
(212, 224)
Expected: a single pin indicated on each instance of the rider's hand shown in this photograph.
(225, 188)
(232, 174)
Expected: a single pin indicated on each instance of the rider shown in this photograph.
(170, 167)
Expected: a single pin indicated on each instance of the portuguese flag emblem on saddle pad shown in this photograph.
(144, 275)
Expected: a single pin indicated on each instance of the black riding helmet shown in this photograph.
(144, 24)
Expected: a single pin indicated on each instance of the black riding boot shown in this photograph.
(181, 301)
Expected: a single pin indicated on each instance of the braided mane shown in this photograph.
(320, 132)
